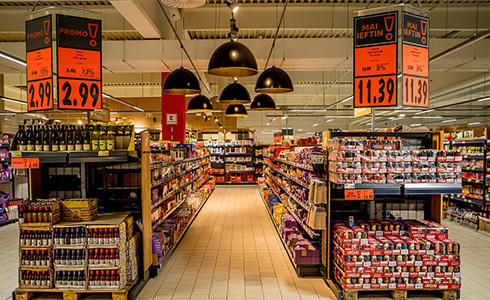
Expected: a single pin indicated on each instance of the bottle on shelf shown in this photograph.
(62, 137)
(94, 137)
(55, 143)
(86, 138)
(29, 138)
(111, 139)
(46, 139)
(19, 139)
(102, 137)
(38, 145)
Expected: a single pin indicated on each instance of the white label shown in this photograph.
(171, 119)
(404, 251)
(404, 274)
(367, 264)
(392, 286)
(392, 263)
(419, 286)
(418, 263)
(366, 286)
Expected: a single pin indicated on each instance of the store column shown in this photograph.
(2, 103)
(173, 115)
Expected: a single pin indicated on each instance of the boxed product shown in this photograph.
(35, 278)
(69, 235)
(76, 210)
(70, 257)
(113, 278)
(71, 278)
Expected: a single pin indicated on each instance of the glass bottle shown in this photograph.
(54, 138)
(94, 137)
(38, 136)
(62, 137)
(19, 138)
(85, 138)
(70, 138)
(29, 138)
(46, 139)
(111, 139)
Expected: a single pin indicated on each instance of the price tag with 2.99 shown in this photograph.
(375, 91)
(40, 94)
(415, 91)
(79, 94)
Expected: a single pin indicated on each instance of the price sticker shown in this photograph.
(17, 154)
(25, 163)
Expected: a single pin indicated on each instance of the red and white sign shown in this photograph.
(173, 116)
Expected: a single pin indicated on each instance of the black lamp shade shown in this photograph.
(181, 82)
(237, 110)
(234, 93)
(274, 81)
(263, 102)
(200, 103)
(232, 59)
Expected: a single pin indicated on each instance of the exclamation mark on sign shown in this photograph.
(423, 26)
(92, 30)
(46, 25)
(389, 23)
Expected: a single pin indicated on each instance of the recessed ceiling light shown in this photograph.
(315, 125)
(416, 125)
(474, 123)
(447, 121)
(285, 117)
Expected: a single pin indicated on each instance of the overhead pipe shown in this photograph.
(182, 45)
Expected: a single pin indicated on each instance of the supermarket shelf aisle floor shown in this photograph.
(232, 251)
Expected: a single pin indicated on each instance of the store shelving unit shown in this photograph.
(220, 159)
(339, 209)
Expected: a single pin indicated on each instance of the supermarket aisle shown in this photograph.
(475, 263)
(232, 251)
(9, 259)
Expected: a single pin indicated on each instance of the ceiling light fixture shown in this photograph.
(13, 59)
(181, 82)
(284, 117)
(234, 93)
(236, 110)
(474, 123)
(273, 119)
(450, 120)
(427, 117)
(484, 99)
(232, 5)
(347, 99)
(200, 103)
(232, 59)
(401, 115)
(416, 125)
(122, 102)
(263, 102)
(424, 112)
(274, 81)
(328, 121)
(315, 125)
(13, 100)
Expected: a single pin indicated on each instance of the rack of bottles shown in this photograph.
(376, 177)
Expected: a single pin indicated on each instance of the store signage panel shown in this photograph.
(375, 60)
(173, 116)
(39, 61)
(415, 60)
(79, 57)
(358, 194)
(25, 163)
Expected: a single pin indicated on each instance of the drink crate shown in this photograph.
(70, 278)
(63, 257)
(107, 278)
(76, 209)
(69, 235)
(35, 278)
(30, 257)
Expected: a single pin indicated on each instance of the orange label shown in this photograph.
(415, 91)
(79, 94)
(78, 63)
(39, 64)
(40, 94)
(359, 194)
(25, 163)
(375, 91)
(415, 60)
(375, 60)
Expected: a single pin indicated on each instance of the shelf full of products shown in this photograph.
(232, 161)
(389, 178)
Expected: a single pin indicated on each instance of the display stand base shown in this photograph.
(27, 294)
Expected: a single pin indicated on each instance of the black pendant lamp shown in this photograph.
(234, 93)
(200, 103)
(263, 102)
(181, 82)
(236, 110)
(232, 59)
(274, 81)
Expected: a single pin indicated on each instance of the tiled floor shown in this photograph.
(233, 252)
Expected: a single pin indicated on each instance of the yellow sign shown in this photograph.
(359, 112)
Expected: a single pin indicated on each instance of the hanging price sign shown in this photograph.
(415, 57)
(25, 163)
(79, 57)
(375, 60)
(39, 61)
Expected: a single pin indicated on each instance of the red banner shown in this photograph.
(173, 115)
(359, 194)
(25, 163)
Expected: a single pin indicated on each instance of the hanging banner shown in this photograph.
(79, 57)
(173, 116)
(375, 60)
(415, 60)
(39, 61)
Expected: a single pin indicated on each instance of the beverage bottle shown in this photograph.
(38, 137)
(97, 277)
(37, 279)
(106, 236)
(54, 138)
(77, 237)
(62, 137)
(116, 257)
(38, 238)
(97, 256)
(22, 238)
(91, 277)
(101, 236)
(111, 138)
(47, 138)
(94, 137)
(19, 139)
(71, 238)
(30, 139)
(86, 134)
(37, 258)
(70, 138)
(102, 137)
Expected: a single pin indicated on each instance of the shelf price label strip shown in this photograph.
(25, 162)
(39, 63)
(375, 60)
(79, 58)
(415, 58)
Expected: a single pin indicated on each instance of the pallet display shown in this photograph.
(377, 180)
(472, 207)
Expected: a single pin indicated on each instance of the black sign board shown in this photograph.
(415, 30)
(79, 45)
(377, 29)
(39, 63)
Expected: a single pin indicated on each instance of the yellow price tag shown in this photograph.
(103, 153)
(17, 154)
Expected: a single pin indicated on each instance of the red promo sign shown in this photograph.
(25, 163)
(79, 46)
(173, 116)
(358, 194)
(415, 56)
(39, 63)
(375, 60)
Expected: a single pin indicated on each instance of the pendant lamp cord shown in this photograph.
(182, 45)
(277, 33)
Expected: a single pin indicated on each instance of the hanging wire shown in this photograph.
(277, 33)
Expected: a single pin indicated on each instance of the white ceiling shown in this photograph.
(314, 47)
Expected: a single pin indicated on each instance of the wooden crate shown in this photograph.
(54, 217)
(76, 210)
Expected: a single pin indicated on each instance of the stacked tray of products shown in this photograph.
(395, 255)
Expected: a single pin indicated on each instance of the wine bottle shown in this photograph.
(38, 136)
(70, 138)
(102, 137)
(62, 137)
(55, 145)
(46, 139)
(19, 137)
(94, 137)
(30, 139)
(111, 139)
